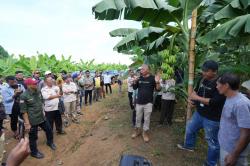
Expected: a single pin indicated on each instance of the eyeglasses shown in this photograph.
(37, 73)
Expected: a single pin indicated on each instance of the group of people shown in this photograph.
(220, 109)
(34, 103)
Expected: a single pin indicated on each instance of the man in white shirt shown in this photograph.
(69, 89)
(130, 82)
(168, 101)
(51, 95)
(107, 82)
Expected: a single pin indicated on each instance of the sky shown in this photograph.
(59, 27)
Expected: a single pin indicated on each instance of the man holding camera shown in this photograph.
(11, 98)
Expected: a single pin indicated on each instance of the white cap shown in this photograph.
(47, 72)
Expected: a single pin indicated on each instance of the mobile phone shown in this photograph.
(21, 130)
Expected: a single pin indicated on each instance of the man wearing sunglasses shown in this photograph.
(208, 103)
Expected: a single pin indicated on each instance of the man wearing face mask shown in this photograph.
(11, 100)
(209, 104)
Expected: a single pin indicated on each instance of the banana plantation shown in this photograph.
(44, 62)
(201, 119)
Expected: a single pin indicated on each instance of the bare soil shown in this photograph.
(104, 135)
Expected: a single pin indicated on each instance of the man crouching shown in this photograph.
(31, 107)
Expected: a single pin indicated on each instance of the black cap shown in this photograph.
(210, 65)
(18, 71)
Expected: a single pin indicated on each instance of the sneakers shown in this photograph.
(182, 147)
(52, 146)
(76, 121)
(145, 136)
(136, 133)
(37, 155)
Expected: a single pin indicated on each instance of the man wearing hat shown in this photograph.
(209, 104)
(32, 109)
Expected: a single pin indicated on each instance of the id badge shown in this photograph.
(201, 104)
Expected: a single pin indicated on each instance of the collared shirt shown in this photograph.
(130, 82)
(107, 79)
(50, 105)
(235, 115)
(31, 103)
(145, 86)
(88, 83)
(81, 83)
(8, 101)
(71, 87)
(166, 95)
(97, 82)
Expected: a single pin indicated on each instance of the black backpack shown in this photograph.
(132, 160)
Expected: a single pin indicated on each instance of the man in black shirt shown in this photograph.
(20, 78)
(146, 84)
(209, 104)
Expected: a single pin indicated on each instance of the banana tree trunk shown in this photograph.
(191, 60)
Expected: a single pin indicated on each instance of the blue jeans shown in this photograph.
(81, 96)
(211, 134)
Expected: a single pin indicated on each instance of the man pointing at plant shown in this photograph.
(146, 84)
(209, 104)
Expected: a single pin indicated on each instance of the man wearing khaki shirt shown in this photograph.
(51, 95)
(69, 89)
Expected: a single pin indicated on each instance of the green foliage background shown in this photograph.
(44, 62)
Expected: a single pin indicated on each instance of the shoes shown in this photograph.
(145, 136)
(66, 123)
(52, 146)
(76, 121)
(62, 132)
(182, 147)
(136, 133)
(37, 155)
(79, 113)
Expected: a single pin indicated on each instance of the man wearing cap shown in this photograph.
(11, 100)
(32, 109)
(51, 95)
(209, 104)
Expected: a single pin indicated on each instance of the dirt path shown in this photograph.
(98, 141)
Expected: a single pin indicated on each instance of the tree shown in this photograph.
(3, 53)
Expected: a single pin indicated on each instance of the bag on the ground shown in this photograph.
(131, 160)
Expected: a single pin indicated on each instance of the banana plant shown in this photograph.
(232, 20)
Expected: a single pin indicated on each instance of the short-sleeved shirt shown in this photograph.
(88, 83)
(50, 105)
(97, 82)
(69, 87)
(130, 81)
(235, 115)
(145, 86)
(166, 95)
(31, 103)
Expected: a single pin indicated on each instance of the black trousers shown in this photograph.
(130, 97)
(33, 135)
(110, 88)
(54, 117)
(167, 110)
(14, 117)
(88, 95)
(157, 104)
(1, 124)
